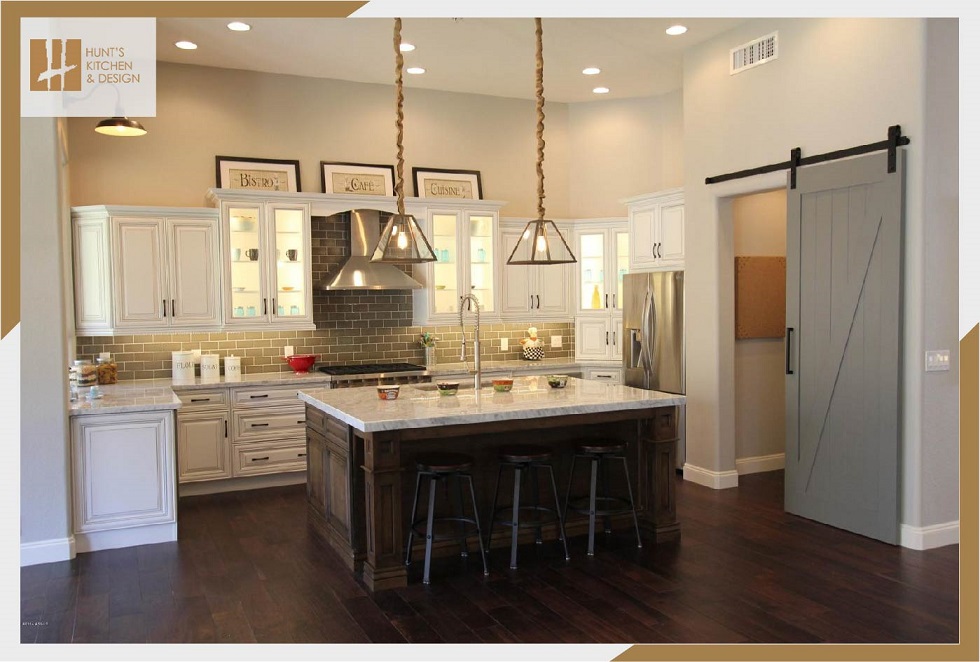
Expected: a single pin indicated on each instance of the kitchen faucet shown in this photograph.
(476, 338)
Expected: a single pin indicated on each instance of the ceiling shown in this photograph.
(492, 56)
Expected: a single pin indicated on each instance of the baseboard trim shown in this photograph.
(150, 534)
(47, 551)
(716, 480)
(239, 484)
(760, 463)
(930, 537)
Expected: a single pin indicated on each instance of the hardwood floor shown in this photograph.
(247, 569)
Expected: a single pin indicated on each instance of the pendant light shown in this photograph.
(402, 241)
(120, 126)
(541, 242)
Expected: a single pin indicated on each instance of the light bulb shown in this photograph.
(542, 244)
(402, 241)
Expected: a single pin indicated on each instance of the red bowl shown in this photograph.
(301, 363)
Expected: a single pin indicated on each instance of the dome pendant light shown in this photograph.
(120, 126)
(402, 241)
(541, 242)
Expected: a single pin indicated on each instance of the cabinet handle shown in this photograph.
(259, 459)
(256, 397)
(653, 251)
(789, 343)
(607, 337)
(273, 305)
(603, 376)
(614, 338)
(226, 429)
(538, 296)
(173, 308)
(300, 454)
(164, 307)
(300, 422)
(531, 296)
(614, 299)
(265, 306)
(259, 425)
(660, 252)
(200, 399)
(607, 300)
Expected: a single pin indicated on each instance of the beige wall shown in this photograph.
(203, 112)
(760, 410)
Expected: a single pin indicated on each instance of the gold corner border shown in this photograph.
(10, 14)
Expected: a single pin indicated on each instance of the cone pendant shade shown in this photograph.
(402, 242)
(541, 243)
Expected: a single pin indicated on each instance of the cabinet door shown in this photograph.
(643, 223)
(550, 289)
(289, 264)
(671, 249)
(620, 267)
(93, 289)
(141, 299)
(446, 286)
(515, 295)
(245, 274)
(203, 447)
(592, 270)
(592, 338)
(194, 268)
(122, 470)
(480, 232)
(616, 341)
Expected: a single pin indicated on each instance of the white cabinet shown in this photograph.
(603, 259)
(656, 224)
(203, 445)
(145, 269)
(531, 292)
(268, 431)
(609, 375)
(123, 479)
(268, 277)
(598, 337)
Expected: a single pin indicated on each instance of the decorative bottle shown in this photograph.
(596, 299)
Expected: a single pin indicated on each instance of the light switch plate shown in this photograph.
(556, 342)
(504, 344)
(287, 350)
(937, 360)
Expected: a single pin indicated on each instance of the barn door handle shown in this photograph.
(789, 345)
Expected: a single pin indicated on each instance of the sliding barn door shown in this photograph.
(844, 342)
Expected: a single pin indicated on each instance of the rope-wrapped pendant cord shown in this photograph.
(400, 120)
(539, 93)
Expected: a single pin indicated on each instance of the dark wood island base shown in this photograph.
(360, 484)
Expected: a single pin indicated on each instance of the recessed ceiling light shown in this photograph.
(591, 71)
(186, 45)
(600, 90)
(238, 26)
(415, 70)
(405, 47)
(675, 30)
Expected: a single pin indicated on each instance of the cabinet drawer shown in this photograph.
(195, 398)
(262, 396)
(612, 376)
(270, 458)
(269, 422)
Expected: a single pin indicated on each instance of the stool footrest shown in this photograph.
(584, 509)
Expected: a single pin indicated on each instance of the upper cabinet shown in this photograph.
(145, 269)
(532, 292)
(603, 259)
(656, 223)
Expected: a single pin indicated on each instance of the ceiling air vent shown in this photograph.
(756, 52)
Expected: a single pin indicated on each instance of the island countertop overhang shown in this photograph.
(421, 406)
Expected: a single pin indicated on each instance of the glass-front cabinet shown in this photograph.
(463, 239)
(268, 277)
(603, 261)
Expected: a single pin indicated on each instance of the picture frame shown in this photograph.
(357, 178)
(256, 174)
(447, 183)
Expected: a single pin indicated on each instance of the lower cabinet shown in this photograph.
(268, 431)
(610, 375)
(203, 446)
(123, 487)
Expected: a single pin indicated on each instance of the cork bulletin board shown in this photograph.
(760, 297)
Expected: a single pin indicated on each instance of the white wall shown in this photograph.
(44, 469)
(837, 83)
(759, 225)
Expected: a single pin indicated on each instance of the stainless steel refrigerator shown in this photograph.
(653, 330)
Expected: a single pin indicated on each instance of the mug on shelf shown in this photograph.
(294, 310)
(236, 254)
(282, 310)
(292, 254)
(240, 311)
(252, 254)
(251, 311)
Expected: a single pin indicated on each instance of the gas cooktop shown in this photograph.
(370, 368)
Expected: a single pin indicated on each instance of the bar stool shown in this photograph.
(525, 459)
(440, 467)
(599, 453)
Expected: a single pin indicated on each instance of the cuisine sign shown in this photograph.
(442, 183)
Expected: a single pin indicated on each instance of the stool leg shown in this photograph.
(515, 517)
(535, 490)
(493, 508)
(411, 525)
(592, 486)
(568, 490)
(428, 529)
(479, 533)
(561, 523)
(604, 478)
(464, 550)
(636, 524)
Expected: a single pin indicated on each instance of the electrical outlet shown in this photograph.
(287, 350)
(556, 342)
(504, 344)
(197, 356)
(937, 360)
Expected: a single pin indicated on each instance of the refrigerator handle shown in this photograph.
(648, 324)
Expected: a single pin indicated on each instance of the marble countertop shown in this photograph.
(126, 397)
(421, 405)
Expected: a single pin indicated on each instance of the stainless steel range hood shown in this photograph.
(358, 272)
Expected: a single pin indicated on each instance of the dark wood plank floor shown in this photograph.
(247, 569)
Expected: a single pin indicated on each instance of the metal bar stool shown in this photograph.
(526, 460)
(440, 467)
(599, 453)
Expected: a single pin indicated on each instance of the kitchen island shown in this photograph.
(360, 475)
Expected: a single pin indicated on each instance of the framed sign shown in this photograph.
(441, 183)
(242, 172)
(357, 178)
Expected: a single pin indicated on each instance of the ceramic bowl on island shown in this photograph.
(503, 384)
(557, 381)
(387, 391)
(447, 388)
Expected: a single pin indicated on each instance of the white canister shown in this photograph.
(210, 368)
(233, 368)
(183, 366)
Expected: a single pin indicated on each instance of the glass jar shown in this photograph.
(107, 370)
(86, 373)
